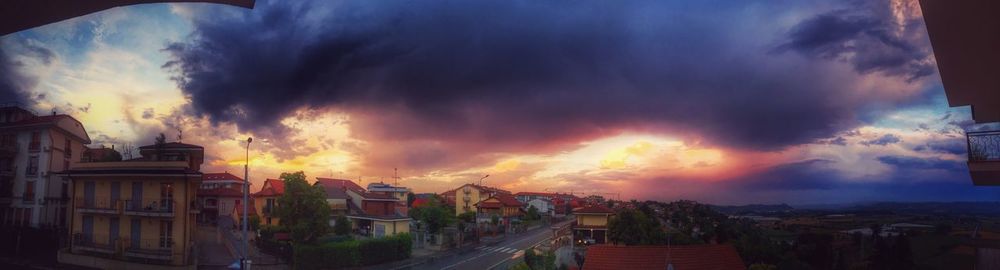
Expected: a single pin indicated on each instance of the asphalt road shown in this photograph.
(488, 256)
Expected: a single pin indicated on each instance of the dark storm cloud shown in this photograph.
(954, 147)
(912, 164)
(886, 139)
(514, 72)
(13, 84)
(803, 175)
(868, 37)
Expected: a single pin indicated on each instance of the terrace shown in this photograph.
(150, 208)
(150, 248)
(97, 206)
(984, 157)
(93, 243)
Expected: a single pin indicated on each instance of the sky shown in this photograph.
(728, 102)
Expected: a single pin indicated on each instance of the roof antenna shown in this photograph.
(180, 135)
(395, 175)
(53, 111)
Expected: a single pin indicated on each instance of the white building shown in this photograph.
(32, 147)
(543, 205)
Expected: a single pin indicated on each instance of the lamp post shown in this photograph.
(244, 263)
(481, 179)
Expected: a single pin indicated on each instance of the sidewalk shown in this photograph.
(234, 242)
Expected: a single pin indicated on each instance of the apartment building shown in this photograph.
(466, 196)
(219, 193)
(32, 147)
(135, 213)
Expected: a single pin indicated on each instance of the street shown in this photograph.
(488, 256)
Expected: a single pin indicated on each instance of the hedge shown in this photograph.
(332, 255)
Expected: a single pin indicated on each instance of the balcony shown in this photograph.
(150, 208)
(28, 198)
(150, 248)
(984, 157)
(97, 206)
(99, 243)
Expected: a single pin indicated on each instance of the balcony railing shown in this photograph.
(150, 248)
(984, 146)
(28, 198)
(97, 205)
(100, 243)
(150, 208)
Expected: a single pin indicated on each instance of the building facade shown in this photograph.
(32, 147)
(592, 224)
(377, 214)
(265, 201)
(142, 211)
(465, 197)
(219, 193)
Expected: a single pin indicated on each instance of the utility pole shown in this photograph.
(245, 263)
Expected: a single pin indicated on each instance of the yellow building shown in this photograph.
(266, 201)
(465, 197)
(131, 214)
(592, 224)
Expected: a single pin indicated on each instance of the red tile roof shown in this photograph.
(271, 187)
(504, 200)
(332, 182)
(208, 177)
(418, 202)
(693, 257)
(483, 188)
(594, 209)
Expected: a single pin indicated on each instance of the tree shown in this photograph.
(433, 215)
(410, 197)
(303, 208)
(160, 142)
(532, 213)
(342, 226)
(631, 227)
(254, 223)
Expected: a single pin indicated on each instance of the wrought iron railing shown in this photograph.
(984, 146)
(94, 242)
(150, 248)
(162, 207)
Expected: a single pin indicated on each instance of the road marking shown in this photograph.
(512, 243)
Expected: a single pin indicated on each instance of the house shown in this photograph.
(100, 154)
(418, 202)
(400, 193)
(126, 214)
(544, 206)
(371, 214)
(337, 195)
(466, 196)
(501, 205)
(237, 214)
(592, 224)
(218, 194)
(524, 196)
(32, 147)
(689, 257)
(266, 201)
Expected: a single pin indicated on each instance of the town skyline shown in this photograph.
(829, 103)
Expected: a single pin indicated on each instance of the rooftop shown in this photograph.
(691, 257)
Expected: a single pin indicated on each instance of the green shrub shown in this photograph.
(350, 253)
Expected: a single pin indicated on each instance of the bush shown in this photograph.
(353, 252)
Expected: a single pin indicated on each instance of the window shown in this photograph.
(68, 149)
(268, 221)
(29, 191)
(36, 141)
(32, 168)
(7, 140)
(166, 233)
(166, 195)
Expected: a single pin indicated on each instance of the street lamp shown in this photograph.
(481, 179)
(244, 263)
